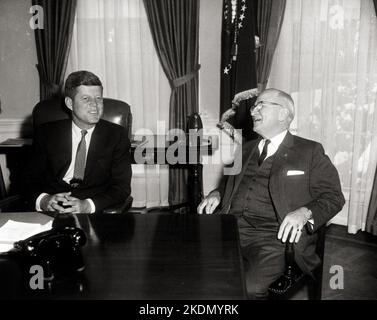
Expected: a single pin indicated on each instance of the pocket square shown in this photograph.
(295, 172)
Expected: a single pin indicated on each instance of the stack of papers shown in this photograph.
(16, 142)
(13, 231)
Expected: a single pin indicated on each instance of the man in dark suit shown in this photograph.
(286, 190)
(81, 165)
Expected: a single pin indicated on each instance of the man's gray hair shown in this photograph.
(287, 100)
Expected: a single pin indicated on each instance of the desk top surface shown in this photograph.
(154, 256)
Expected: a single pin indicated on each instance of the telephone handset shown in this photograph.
(57, 250)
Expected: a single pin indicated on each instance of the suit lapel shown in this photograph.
(97, 142)
(246, 155)
(65, 147)
(276, 185)
(247, 152)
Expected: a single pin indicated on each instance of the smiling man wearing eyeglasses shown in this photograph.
(287, 189)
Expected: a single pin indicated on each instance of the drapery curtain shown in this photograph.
(53, 43)
(372, 210)
(112, 39)
(326, 58)
(238, 71)
(174, 25)
(238, 57)
(270, 19)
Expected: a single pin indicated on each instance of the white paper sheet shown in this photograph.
(13, 231)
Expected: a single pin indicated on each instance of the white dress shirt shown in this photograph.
(274, 144)
(76, 138)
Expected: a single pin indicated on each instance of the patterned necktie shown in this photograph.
(264, 152)
(79, 170)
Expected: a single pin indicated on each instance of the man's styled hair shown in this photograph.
(79, 78)
(286, 100)
(288, 103)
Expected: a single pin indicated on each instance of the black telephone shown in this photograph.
(58, 250)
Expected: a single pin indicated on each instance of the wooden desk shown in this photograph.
(154, 256)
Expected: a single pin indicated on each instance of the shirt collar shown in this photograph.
(77, 131)
(278, 139)
(275, 142)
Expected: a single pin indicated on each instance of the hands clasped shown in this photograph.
(64, 203)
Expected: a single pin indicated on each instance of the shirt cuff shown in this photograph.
(311, 223)
(38, 201)
(92, 205)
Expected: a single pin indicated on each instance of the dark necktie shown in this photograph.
(79, 170)
(264, 152)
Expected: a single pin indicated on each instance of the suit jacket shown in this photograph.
(108, 172)
(301, 176)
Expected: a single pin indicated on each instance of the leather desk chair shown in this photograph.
(293, 279)
(115, 111)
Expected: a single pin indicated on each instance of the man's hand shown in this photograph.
(76, 205)
(293, 222)
(54, 202)
(210, 203)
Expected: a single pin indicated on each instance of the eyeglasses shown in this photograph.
(260, 104)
